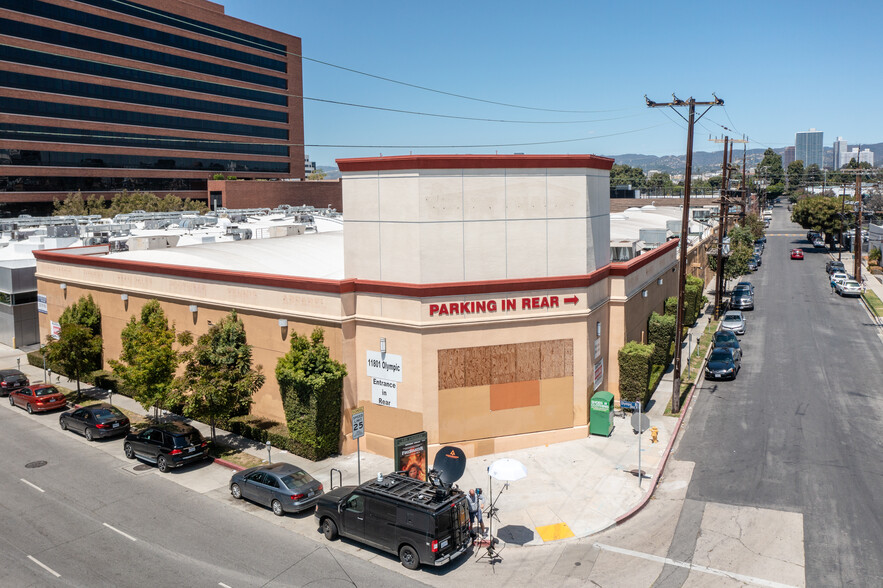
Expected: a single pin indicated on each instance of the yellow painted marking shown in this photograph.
(554, 532)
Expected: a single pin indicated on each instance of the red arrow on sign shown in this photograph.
(573, 300)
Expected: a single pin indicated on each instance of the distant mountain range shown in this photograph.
(709, 161)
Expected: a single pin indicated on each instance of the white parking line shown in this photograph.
(34, 486)
(44, 566)
(695, 567)
(126, 535)
(222, 585)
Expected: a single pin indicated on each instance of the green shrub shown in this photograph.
(655, 377)
(671, 306)
(692, 299)
(661, 334)
(634, 370)
(107, 381)
(263, 430)
(35, 358)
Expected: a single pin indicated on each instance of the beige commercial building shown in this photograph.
(471, 297)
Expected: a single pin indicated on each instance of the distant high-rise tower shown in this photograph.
(788, 157)
(808, 147)
(840, 149)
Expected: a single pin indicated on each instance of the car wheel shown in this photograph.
(11, 401)
(329, 529)
(277, 508)
(88, 434)
(127, 449)
(409, 558)
(63, 424)
(30, 409)
(236, 491)
(162, 465)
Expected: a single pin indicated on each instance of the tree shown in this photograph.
(622, 175)
(660, 181)
(741, 235)
(819, 213)
(74, 351)
(148, 360)
(85, 313)
(813, 174)
(770, 168)
(311, 384)
(754, 224)
(76, 205)
(795, 175)
(218, 379)
(317, 175)
(126, 202)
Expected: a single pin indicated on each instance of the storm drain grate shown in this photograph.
(36, 464)
(142, 467)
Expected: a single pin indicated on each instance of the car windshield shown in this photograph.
(297, 479)
(720, 355)
(725, 336)
(732, 317)
(45, 391)
(851, 284)
(109, 412)
(186, 439)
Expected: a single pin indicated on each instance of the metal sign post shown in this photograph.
(640, 423)
(640, 434)
(358, 433)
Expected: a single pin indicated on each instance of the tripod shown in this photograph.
(491, 551)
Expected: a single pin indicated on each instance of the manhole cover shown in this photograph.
(142, 467)
(36, 464)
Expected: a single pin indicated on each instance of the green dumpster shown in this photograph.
(601, 414)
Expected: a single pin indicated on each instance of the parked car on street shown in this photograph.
(281, 486)
(733, 321)
(416, 520)
(731, 343)
(818, 243)
(838, 276)
(797, 254)
(37, 398)
(832, 265)
(748, 285)
(722, 365)
(812, 235)
(758, 259)
(95, 421)
(723, 336)
(848, 288)
(752, 264)
(742, 300)
(168, 445)
(11, 379)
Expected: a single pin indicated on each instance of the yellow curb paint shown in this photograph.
(554, 532)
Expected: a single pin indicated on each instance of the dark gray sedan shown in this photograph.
(281, 486)
(95, 421)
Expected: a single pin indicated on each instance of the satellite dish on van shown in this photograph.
(449, 464)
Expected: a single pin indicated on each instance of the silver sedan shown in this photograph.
(733, 321)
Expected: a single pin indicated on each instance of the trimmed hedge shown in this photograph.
(634, 371)
(671, 306)
(692, 299)
(263, 430)
(35, 358)
(661, 334)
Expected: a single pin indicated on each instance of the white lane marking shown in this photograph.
(44, 566)
(223, 585)
(696, 567)
(126, 535)
(34, 486)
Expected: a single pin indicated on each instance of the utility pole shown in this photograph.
(691, 103)
(721, 222)
(842, 214)
(858, 228)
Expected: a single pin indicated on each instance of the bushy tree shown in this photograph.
(83, 312)
(622, 175)
(75, 351)
(219, 380)
(661, 334)
(795, 175)
(770, 168)
(126, 202)
(76, 205)
(819, 213)
(634, 371)
(753, 223)
(148, 360)
(311, 384)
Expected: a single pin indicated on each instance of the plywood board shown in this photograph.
(451, 368)
(528, 358)
(478, 366)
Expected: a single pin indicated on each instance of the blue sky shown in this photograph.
(781, 67)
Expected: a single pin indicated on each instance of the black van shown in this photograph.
(420, 522)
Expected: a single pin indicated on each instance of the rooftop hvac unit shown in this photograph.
(623, 250)
(653, 237)
(674, 226)
(61, 231)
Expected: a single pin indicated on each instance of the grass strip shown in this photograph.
(874, 302)
(702, 345)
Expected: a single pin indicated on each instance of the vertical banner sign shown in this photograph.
(410, 455)
(385, 371)
(597, 347)
(599, 373)
(55, 330)
(42, 306)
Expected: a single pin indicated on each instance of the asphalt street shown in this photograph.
(86, 519)
(799, 429)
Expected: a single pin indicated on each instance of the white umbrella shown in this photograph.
(507, 470)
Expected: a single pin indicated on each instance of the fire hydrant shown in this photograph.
(654, 433)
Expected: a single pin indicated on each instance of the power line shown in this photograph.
(370, 75)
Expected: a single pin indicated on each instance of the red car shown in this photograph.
(38, 398)
(797, 254)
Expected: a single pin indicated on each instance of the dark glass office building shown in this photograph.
(156, 95)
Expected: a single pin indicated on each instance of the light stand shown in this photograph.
(491, 552)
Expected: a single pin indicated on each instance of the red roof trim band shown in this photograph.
(352, 285)
(403, 162)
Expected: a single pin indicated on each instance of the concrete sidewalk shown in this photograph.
(572, 489)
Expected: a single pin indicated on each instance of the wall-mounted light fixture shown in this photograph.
(659, 281)
(193, 308)
(644, 293)
(598, 328)
(383, 345)
(283, 327)
(124, 297)
(63, 286)
(283, 323)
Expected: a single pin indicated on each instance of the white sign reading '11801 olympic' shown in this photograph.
(385, 366)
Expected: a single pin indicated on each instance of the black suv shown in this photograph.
(832, 265)
(419, 522)
(168, 445)
(11, 380)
